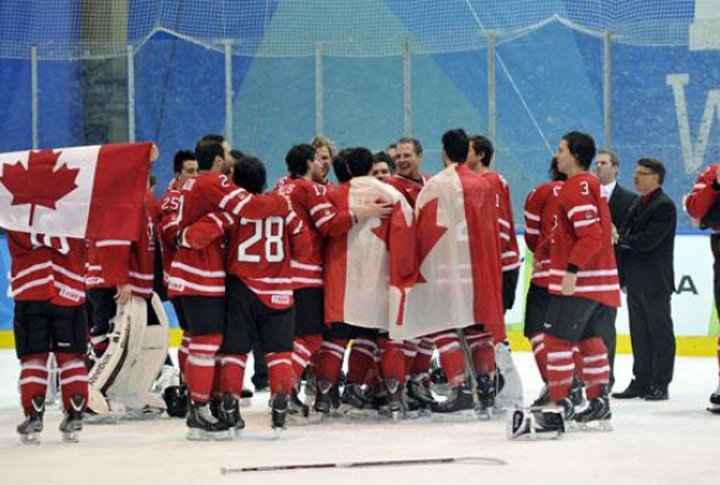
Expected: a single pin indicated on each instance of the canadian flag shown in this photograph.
(93, 192)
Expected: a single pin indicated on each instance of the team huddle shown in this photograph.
(399, 267)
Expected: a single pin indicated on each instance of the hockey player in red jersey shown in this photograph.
(48, 289)
(260, 295)
(367, 273)
(310, 202)
(197, 276)
(584, 286)
(703, 205)
(185, 167)
(460, 278)
(540, 207)
(409, 180)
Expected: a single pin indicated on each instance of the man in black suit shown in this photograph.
(647, 246)
(620, 199)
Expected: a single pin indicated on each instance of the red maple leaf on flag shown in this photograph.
(40, 183)
(429, 233)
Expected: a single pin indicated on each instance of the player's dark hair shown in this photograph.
(455, 143)
(340, 166)
(482, 145)
(206, 151)
(582, 147)
(360, 161)
(384, 157)
(237, 154)
(213, 137)
(297, 158)
(182, 156)
(250, 174)
(655, 166)
(554, 173)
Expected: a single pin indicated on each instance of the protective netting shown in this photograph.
(83, 29)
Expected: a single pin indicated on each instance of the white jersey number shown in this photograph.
(271, 229)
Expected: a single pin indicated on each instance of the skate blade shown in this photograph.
(595, 426)
(277, 432)
(465, 416)
(397, 415)
(194, 434)
(245, 402)
(715, 409)
(71, 437)
(30, 439)
(235, 434)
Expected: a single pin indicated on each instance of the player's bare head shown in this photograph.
(455, 145)
(210, 155)
(579, 146)
(384, 167)
(325, 154)
(391, 150)
(180, 160)
(300, 159)
(554, 173)
(340, 166)
(481, 150)
(408, 156)
(360, 161)
(249, 173)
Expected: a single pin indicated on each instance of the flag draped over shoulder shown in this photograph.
(374, 264)
(459, 282)
(93, 192)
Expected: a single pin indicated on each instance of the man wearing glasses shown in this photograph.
(647, 246)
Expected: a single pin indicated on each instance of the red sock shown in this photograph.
(392, 359)
(303, 349)
(452, 359)
(280, 372)
(482, 350)
(421, 363)
(330, 359)
(33, 379)
(183, 353)
(361, 360)
(537, 342)
(411, 351)
(560, 367)
(200, 366)
(596, 367)
(73, 377)
(232, 374)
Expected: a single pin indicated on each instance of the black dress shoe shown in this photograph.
(633, 390)
(657, 393)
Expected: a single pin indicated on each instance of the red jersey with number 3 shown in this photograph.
(260, 252)
(583, 238)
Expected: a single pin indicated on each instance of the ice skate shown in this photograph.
(486, 391)
(231, 415)
(72, 422)
(459, 406)
(714, 406)
(577, 395)
(310, 386)
(418, 388)
(596, 416)
(352, 402)
(395, 400)
(323, 398)
(568, 412)
(279, 413)
(30, 429)
(203, 426)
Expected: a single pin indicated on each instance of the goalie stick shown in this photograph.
(469, 460)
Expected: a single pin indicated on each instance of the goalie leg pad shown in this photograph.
(510, 393)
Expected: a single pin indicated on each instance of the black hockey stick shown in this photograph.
(469, 460)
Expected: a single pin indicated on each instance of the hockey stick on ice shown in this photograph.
(469, 460)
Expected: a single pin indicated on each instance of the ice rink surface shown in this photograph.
(670, 442)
